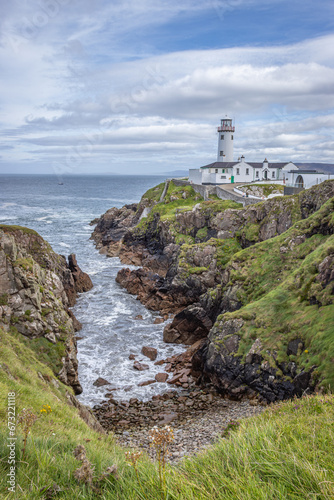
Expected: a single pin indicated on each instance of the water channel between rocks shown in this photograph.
(116, 325)
(61, 213)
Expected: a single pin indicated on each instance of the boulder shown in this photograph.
(150, 352)
(161, 377)
(175, 378)
(99, 382)
(294, 346)
(147, 382)
(189, 326)
(140, 366)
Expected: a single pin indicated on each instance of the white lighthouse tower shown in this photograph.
(225, 140)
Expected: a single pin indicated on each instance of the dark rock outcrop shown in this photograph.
(188, 326)
(218, 362)
(82, 281)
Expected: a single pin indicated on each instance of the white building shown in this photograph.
(240, 171)
(227, 171)
(225, 140)
(306, 178)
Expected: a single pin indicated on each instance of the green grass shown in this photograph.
(284, 453)
(154, 193)
(26, 263)
(213, 206)
(4, 299)
(224, 250)
(202, 234)
(11, 228)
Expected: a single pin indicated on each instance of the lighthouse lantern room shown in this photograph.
(225, 140)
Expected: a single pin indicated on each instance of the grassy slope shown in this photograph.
(284, 453)
(177, 199)
(276, 290)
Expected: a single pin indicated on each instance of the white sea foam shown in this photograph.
(10, 217)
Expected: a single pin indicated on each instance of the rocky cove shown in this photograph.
(227, 273)
(244, 288)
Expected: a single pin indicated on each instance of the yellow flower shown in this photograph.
(46, 409)
(306, 350)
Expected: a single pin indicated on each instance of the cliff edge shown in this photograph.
(37, 287)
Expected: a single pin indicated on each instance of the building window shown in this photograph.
(238, 171)
(221, 153)
(222, 136)
(232, 137)
(257, 174)
(223, 170)
(216, 171)
(223, 176)
(247, 171)
(273, 175)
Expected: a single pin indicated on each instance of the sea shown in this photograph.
(61, 213)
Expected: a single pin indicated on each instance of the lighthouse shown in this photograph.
(225, 140)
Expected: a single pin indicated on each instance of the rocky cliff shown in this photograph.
(209, 261)
(37, 287)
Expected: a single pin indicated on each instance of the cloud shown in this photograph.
(94, 79)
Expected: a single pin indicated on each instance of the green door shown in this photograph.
(232, 179)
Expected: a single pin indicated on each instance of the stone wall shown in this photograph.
(230, 195)
(204, 191)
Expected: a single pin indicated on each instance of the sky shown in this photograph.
(139, 87)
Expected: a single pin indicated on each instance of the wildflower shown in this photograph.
(132, 457)
(306, 350)
(46, 409)
(162, 436)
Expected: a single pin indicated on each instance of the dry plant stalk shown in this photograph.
(85, 473)
(26, 420)
(132, 458)
(160, 439)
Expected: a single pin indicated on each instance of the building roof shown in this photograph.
(230, 164)
(221, 164)
(255, 164)
(270, 165)
(326, 168)
(305, 172)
